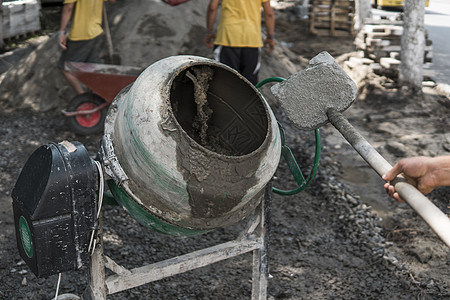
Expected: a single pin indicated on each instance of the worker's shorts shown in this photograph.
(245, 60)
(80, 51)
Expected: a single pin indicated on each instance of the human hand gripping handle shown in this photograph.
(268, 43)
(62, 39)
(65, 19)
(209, 40)
(433, 216)
(418, 171)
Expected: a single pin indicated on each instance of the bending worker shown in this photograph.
(238, 40)
(82, 43)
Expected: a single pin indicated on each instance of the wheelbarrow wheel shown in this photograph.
(87, 124)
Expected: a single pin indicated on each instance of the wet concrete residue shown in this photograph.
(216, 186)
(193, 110)
(220, 112)
(307, 95)
(200, 79)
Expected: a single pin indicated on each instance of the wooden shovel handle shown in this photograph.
(433, 216)
(108, 34)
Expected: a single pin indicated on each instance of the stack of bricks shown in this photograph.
(332, 17)
(20, 18)
(380, 40)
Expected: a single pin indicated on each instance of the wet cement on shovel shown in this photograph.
(306, 96)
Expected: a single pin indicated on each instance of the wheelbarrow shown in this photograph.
(87, 111)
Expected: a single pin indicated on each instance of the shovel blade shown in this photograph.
(306, 96)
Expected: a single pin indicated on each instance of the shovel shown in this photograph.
(318, 95)
(113, 58)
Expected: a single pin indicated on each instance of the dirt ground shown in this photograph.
(341, 238)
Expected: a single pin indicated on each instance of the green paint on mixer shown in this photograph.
(147, 219)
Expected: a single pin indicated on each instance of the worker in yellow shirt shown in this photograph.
(81, 44)
(238, 39)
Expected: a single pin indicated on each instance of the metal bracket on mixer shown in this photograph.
(252, 238)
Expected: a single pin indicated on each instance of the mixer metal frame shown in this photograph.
(254, 238)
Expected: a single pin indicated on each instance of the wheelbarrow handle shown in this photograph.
(432, 215)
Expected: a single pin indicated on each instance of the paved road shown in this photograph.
(437, 22)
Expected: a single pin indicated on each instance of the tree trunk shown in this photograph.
(363, 11)
(1, 24)
(413, 45)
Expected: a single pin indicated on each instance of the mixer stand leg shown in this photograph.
(253, 238)
(260, 258)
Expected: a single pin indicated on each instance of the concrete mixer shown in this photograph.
(189, 147)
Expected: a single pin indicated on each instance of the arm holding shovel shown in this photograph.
(425, 173)
(317, 95)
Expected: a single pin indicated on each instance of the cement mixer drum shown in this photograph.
(190, 146)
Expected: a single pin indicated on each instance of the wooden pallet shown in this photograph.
(20, 18)
(381, 41)
(332, 17)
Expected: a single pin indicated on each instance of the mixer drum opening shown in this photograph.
(219, 110)
(190, 146)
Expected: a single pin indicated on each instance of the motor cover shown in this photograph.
(54, 204)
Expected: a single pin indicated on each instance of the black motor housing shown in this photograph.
(55, 204)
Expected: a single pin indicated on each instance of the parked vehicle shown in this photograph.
(391, 3)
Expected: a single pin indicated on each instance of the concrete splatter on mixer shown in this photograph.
(201, 78)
